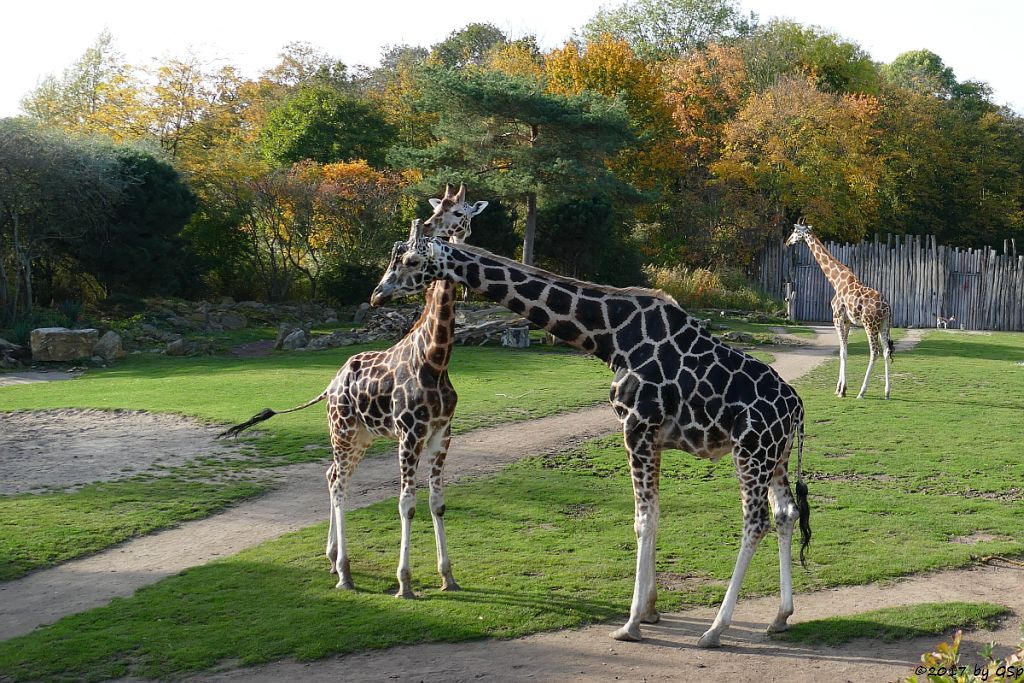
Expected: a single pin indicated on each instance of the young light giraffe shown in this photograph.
(854, 302)
(402, 393)
(675, 386)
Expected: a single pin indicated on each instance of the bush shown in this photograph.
(702, 288)
(943, 666)
(20, 330)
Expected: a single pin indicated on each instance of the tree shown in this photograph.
(922, 71)
(98, 93)
(580, 238)
(782, 48)
(321, 124)
(662, 29)
(138, 249)
(53, 188)
(608, 66)
(807, 153)
(469, 46)
(505, 134)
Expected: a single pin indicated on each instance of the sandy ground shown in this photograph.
(668, 652)
(63, 449)
(10, 379)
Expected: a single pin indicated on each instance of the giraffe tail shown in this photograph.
(802, 506)
(266, 414)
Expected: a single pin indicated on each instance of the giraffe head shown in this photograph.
(800, 232)
(413, 266)
(452, 215)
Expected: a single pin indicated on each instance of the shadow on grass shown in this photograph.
(260, 611)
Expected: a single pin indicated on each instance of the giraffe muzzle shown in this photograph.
(381, 295)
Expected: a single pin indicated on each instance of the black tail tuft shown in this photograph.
(255, 419)
(892, 347)
(805, 520)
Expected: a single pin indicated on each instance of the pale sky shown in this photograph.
(980, 40)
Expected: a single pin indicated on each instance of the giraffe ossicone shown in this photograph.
(402, 393)
(854, 302)
(675, 387)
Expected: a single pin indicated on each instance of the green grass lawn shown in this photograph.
(898, 623)
(549, 543)
(41, 530)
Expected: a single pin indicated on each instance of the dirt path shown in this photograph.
(669, 652)
(299, 500)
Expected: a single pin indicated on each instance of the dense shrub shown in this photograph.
(702, 288)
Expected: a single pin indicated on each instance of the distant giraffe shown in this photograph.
(402, 393)
(854, 302)
(675, 386)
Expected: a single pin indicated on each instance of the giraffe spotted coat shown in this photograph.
(675, 387)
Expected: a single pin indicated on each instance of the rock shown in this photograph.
(179, 323)
(283, 330)
(109, 346)
(6, 345)
(62, 344)
(178, 347)
(227, 300)
(361, 313)
(8, 362)
(295, 340)
(151, 330)
(233, 321)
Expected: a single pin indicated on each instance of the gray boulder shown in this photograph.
(295, 340)
(109, 347)
(178, 347)
(282, 333)
(62, 344)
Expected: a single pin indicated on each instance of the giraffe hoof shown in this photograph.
(653, 618)
(345, 585)
(709, 639)
(334, 570)
(629, 634)
(450, 586)
(405, 594)
(778, 627)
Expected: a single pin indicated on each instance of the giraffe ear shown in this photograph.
(478, 207)
(435, 202)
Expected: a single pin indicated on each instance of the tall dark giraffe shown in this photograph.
(675, 386)
(854, 302)
(402, 393)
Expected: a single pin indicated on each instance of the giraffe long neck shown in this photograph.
(433, 334)
(589, 317)
(834, 270)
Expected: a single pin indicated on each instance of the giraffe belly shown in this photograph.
(698, 434)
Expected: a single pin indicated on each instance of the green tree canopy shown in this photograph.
(323, 125)
(661, 29)
(467, 46)
(505, 134)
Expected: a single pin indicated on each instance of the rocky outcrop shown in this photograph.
(296, 340)
(56, 344)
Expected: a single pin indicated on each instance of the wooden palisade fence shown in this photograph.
(922, 280)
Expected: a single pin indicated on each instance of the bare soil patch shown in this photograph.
(65, 449)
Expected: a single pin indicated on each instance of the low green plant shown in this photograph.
(697, 288)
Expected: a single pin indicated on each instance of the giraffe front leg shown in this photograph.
(755, 525)
(408, 455)
(644, 461)
(439, 450)
(843, 332)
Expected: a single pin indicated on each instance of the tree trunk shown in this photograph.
(531, 228)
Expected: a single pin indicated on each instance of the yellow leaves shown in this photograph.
(516, 59)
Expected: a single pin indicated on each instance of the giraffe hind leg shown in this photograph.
(410, 447)
(786, 514)
(348, 444)
(755, 525)
(873, 347)
(438, 451)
